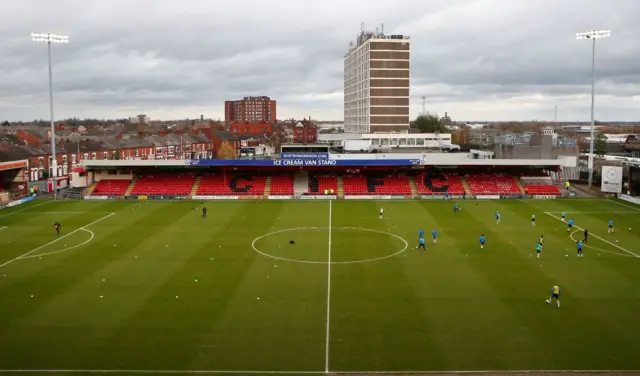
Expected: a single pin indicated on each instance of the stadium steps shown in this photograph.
(340, 187)
(89, 190)
(412, 184)
(267, 187)
(128, 191)
(301, 183)
(520, 185)
(196, 185)
(465, 185)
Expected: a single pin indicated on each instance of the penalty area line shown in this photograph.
(595, 236)
(25, 255)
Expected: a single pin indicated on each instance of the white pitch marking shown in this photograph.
(254, 372)
(598, 249)
(55, 240)
(64, 249)
(595, 212)
(27, 208)
(2, 227)
(253, 245)
(596, 236)
(326, 357)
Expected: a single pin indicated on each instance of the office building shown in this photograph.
(377, 83)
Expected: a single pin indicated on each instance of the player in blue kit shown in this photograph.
(610, 226)
(570, 225)
(434, 234)
(456, 208)
(421, 245)
(580, 248)
(482, 241)
(420, 236)
(555, 294)
(497, 215)
(538, 249)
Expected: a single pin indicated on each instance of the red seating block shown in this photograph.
(493, 184)
(111, 188)
(390, 185)
(232, 185)
(282, 185)
(542, 190)
(163, 185)
(438, 182)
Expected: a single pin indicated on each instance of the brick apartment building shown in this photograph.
(250, 109)
(256, 128)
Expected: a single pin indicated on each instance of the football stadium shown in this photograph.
(310, 264)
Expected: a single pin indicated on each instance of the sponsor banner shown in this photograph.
(374, 197)
(250, 197)
(432, 197)
(21, 201)
(14, 203)
(181, 198)
(142, 197)
(12, 165)
(215, 197)
(631, 199)
(280, 197)
(304, 155)
(488, 197)
(544, 197)
(303, 162)
(611, 179)
(96, 197)
(130, 197)
(327, 197)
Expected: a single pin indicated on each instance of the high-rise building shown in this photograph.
(250, 109)
(376, 83)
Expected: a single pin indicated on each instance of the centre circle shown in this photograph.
(360, 244)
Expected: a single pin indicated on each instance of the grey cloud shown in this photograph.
(127, 56)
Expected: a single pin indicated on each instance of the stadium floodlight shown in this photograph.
(50, 39)
(593, 35)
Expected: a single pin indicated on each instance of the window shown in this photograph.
(73, 158)
(86, 156)
(93, 156)
(64, 159)
(105, 155)
(420, 141)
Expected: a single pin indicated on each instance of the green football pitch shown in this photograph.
(317, 286)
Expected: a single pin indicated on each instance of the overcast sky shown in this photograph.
(169, 59)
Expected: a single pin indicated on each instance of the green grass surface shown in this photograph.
(156, 287)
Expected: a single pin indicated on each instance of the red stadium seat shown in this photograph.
(493, 184)
(439, 184)
(282, 185)
(319, 183)
(232, 185)
(546, 190)
(396, 185)
(163, 185)
(111, 188)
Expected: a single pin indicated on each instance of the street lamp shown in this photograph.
(592, 35)
(50, 39)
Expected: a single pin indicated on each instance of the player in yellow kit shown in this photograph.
(555, 294)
